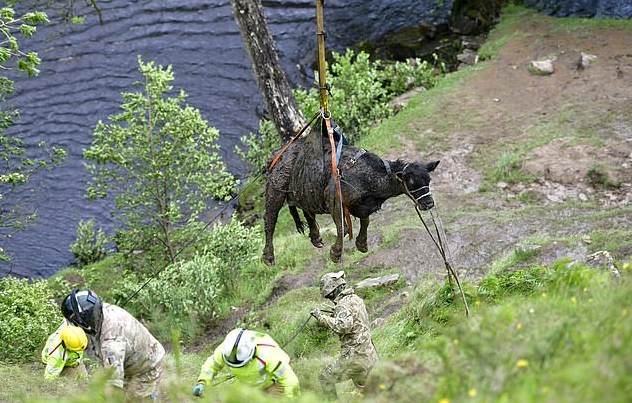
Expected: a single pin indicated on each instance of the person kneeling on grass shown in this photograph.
(253, 358)
(63, 352)
(121, 342)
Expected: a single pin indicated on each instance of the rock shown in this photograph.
(585, 60)
(400, 102)
(468, 57)
(378, 281)
(502, 185)
(542, 67)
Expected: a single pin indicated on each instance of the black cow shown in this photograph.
(366, 182)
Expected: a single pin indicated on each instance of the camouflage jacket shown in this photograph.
(350, 321)
(124, 344)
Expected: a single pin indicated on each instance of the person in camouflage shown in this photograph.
(350, 321)
(120, 341)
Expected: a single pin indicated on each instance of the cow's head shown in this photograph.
(416, 179)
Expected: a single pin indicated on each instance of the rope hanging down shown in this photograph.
(323, 89)
(439, 243)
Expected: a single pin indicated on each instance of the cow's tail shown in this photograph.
(300, 225)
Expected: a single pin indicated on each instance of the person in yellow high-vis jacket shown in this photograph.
(253, 358)
(64, 352)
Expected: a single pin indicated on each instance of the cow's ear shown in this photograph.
(432, 165)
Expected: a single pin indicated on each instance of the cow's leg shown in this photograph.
(274, 203)
(314, 230)
(361, 240)
(336, 249)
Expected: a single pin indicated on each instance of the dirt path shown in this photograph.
(560, 126)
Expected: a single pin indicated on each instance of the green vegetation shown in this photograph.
(361, 89)
(28, 316)
(90, 246)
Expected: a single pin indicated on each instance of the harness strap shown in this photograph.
(352, 161)
(55, 349)
(334, 171)
(387, 166)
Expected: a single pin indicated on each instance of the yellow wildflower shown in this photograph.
(381, 386)
(472, 392)
(522, 363)
(573, 300)
(626, 266)
(518, 325)
(624, 313)
(444, 400)
(455, 341)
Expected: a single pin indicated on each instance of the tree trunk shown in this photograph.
(273, 83)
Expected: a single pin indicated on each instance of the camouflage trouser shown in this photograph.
(144, 385)
(347, 366)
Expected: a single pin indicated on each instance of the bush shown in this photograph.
(90, 244)
(402, 76)
(183, 292)
(259, 146)
(234, 245)
(358, 98)
(29, 315)
(361, 89)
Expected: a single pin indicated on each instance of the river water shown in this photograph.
(85, 67)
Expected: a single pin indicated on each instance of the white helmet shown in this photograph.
(238, 347)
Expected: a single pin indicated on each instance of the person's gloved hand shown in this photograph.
(198, 389)
(315, 312)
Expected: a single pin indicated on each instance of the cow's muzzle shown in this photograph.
(424, 200)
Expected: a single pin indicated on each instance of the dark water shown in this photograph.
(86, 67)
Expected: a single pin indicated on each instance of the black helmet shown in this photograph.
(83, 308)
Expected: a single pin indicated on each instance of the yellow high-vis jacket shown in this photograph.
(56, 357)
(270, 365)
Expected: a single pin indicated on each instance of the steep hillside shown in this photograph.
(535, 176)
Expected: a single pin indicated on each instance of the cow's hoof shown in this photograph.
(362, 246)
(317, 242)
(268, 260)
(335, 256)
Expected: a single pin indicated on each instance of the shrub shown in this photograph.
(361, 89)
(259, 146)
(233, 244)
(183, 291)
(399, 77)
(90, 244)
(358, 98)
(29, 315)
